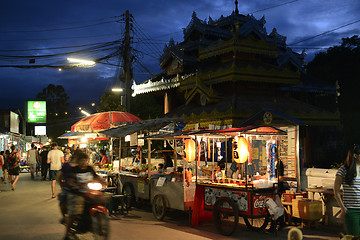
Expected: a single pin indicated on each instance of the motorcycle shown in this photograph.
(95, 216)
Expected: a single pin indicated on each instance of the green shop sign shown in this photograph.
(36, 111)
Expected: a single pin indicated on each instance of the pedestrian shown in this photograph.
(280, 190)
(2, 166)
(38, 164)
(55, 158)
(44, 165)
(14, 168)
(5, 166)
(32, 156)
(348, 176)
(67, 154)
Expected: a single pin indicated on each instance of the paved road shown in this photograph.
(30, 213)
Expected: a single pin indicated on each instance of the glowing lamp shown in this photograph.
(240, 149)
(190, 150)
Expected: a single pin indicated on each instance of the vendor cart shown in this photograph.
(169, 191)
(134, 186)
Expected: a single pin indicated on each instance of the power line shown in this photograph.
(274, 6)
(59, 24)
(54, 48)
(56, 38)
(57, 29)
(326, 32)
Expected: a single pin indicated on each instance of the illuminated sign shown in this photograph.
(36, 111)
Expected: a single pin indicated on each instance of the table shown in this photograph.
(289, 211)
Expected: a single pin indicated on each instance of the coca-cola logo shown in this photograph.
(259, 203)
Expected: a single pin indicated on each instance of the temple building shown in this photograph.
(230, 72)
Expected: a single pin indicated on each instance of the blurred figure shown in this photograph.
(67, 154)
(55, 158)
(43, 161)
(2, 162)
(78, 176)
(93, 155)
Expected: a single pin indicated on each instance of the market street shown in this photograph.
(30, 213)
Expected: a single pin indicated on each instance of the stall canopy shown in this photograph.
(102, 121)
(129, 128)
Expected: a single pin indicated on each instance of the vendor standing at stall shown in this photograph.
(137, 160)
(167, 160)
(104, 159)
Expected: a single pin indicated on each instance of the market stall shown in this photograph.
(240, 175)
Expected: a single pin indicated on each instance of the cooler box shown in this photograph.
(307, 209)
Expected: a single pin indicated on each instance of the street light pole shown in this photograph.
(127, 70)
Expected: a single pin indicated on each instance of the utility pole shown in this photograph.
(127, 68)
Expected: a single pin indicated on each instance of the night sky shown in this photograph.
(44, 29)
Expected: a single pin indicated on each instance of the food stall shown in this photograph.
(241, 187)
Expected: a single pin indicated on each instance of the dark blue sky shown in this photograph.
(43, 27)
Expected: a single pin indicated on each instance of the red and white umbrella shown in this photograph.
(102, 121)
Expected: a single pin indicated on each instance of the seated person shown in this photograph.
(217, 171)
(161, 168)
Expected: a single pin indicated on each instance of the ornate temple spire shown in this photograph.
(236, 7)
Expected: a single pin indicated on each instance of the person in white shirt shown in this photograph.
(32, 156)
(55, 158)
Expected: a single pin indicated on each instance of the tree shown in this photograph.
(57, 109)
(144, 106)
(341, 65)
(110, 101)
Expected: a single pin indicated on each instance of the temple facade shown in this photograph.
(230, 72)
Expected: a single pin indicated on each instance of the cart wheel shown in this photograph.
(159, 207)
(226, 216)
(256, 224)
(129, 193)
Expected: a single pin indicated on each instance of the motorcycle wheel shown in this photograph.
(100, 226)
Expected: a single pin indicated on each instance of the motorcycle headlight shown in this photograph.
(94, 186)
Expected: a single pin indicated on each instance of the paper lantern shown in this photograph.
(190, 150)
(240, 149)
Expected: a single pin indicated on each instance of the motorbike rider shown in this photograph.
(77, 178)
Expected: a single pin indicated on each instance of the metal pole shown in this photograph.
(127, 62)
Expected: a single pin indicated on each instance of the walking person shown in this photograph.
(55, 158)
(348, 176)
(5, 166)
(32, 156)
(43, 161)
(2, 166)
(14, 168)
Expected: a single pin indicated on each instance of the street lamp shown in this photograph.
(81, 62)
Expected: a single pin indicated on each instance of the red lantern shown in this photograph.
(190, 150)
(240, 149)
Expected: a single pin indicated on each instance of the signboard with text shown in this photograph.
(36, 111)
